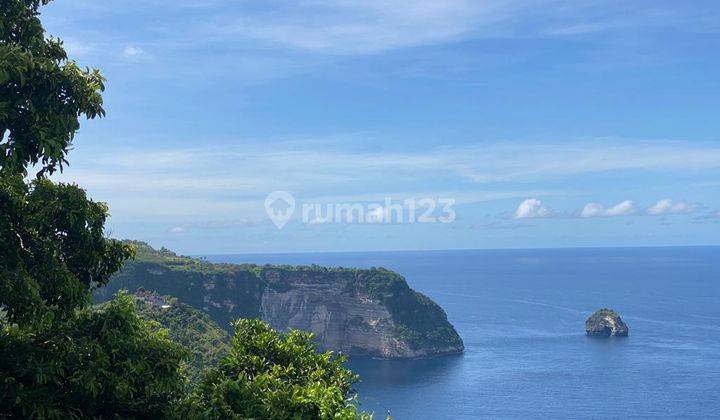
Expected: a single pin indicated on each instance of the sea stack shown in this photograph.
(605, 323)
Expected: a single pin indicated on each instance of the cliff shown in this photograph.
(370, 312)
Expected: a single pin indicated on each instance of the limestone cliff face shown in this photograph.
(341, 323)
(358, 312)
(343, 317)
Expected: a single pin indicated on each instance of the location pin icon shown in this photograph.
(279, 206)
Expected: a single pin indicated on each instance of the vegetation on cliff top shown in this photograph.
(604, 312)
(419, 320)
(237, 288)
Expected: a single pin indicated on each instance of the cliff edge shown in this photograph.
(360, 312)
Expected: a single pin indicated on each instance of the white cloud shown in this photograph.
(77, 48)
(481, 163)
(361, 26)
(509, 161)
(661, 207)
(715, 214)
(259, 40)
(592, 210)
(667, 206)
(357, 26)
(177, 229)
(208, 182)
(134, 53)
(623, 208)
(532, 208)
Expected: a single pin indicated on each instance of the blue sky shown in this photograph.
(551, 123)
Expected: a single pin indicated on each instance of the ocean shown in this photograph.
(521, 314)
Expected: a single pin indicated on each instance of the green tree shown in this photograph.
(104, 364)
(42, 93)
(52, 249)
(52, 244)
(267, 374)
(58, 358)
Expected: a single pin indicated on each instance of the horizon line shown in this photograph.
(455, 249)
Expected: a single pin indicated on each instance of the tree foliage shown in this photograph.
(52, 249)
(58, 358)
(42, 94)
(52, 244)
(267, 374)
(203, 339)
(104, 364)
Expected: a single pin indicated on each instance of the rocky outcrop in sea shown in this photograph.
(605, 323)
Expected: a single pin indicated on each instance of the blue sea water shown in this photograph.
(521, 314)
